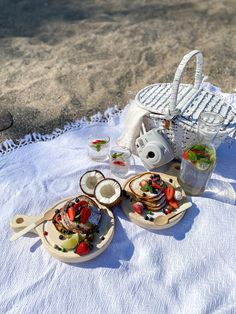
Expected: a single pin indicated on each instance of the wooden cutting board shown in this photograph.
(49, 235)
(138, 219)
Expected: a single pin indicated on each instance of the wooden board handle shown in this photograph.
(20, 222)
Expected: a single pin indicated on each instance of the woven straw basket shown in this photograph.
(174, 108)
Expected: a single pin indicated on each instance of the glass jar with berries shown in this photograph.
(199, 159)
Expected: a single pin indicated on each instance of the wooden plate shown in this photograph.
(101, 241)
(138, 219)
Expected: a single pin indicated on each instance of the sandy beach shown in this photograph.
(61, 60)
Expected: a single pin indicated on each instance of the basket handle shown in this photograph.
(172, 111)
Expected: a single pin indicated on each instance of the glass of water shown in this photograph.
(98, 148)
(120, 161)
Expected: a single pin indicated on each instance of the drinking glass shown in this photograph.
(120, 161)
(98, 147)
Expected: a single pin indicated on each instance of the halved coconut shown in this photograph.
(89, 180)
(108, 192)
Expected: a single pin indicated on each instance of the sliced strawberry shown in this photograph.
(169, 192)
(119, 163)
(200, 152)
(82, 203)
(138, 207)
(98, 142)
(82, 248)
(143, 183)
(71, 213)
(185, 155)
(76, 206)
(85, 214)
(156, 186)
(173, 203)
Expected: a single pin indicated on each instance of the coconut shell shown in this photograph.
(117, 201)
(82, 178)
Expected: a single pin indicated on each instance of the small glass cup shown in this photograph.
(120, 161)
(98, 148)
(209, 124)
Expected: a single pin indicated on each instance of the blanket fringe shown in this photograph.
(9, 145)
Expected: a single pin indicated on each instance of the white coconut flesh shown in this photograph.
(108, 191)
(89, 180)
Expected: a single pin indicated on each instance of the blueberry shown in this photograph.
(155, 191)
(146, 218)
(144, 194)
(61, 237)
(57, 247)
(102, 238)
(57, 211)
(77, 200)
(68, 232)
(124, 193)
(151, 219)
(170, 180)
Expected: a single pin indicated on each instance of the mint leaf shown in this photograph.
(192, 156)
(198, 147)
(116, 155)
(145, 188)
(98, 147)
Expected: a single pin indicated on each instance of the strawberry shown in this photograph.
(82, 248)
(138, 207)
(119, 163)
(169, 192)
(143, 183)
(156, 186)
(82, 203)
(77, 206)
(98, 142)
(185, 155)
(71, 213)
(84, 215)
(173, 204)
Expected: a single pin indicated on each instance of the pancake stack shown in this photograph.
(79, 215)
(149, 190)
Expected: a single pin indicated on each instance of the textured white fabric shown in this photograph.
(189, 268)
(132, 126)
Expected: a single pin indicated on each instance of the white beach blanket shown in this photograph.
(189, 268)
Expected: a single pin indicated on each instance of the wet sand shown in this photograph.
(61, 60)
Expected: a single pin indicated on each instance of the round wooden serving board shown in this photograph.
(100, 243)
(139, 219)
